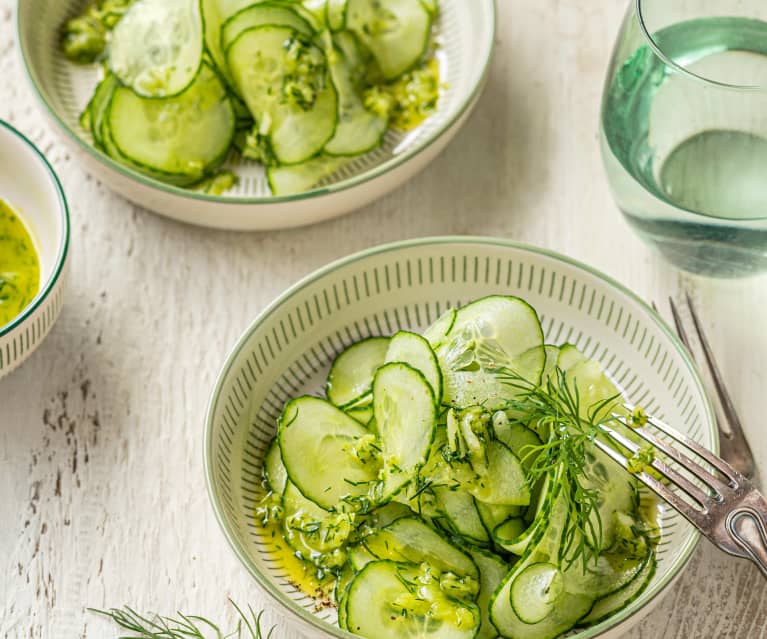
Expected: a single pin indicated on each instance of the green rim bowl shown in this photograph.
(30, 186)
(466, 32)
(288, 349)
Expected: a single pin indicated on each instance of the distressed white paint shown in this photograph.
(102, 496)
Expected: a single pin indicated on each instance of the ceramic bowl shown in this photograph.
(287, 351)
(30, 186)
(466, 33)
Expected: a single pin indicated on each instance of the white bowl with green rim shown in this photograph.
(31, 188)
(288, 349)
(466, 32)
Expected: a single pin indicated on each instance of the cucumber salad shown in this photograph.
(301, 86)
(448, 486)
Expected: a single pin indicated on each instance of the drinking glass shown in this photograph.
(684, 131)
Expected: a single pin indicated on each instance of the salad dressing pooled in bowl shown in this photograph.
(19, 265)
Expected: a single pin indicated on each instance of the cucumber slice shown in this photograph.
(618, 600)
(504, 481)
(259, 15)
(388, 514)
(411, 348)
(299, 178)
(538, 521)
(406, 418)
(156, 48)
(438, 331)
(461, 515)
(187, 135)
(522, 441)
(320, 448)
(351, 375)
(335, 14)
(490, 337)
(536, 591)
(274, 470)
(359, 130)
(432, 6)
(509, 531)
(552, 359)
(492, 570)
(98, 107)
(493, 515)
(409, 539)
(298, 111)
(390, 601)
(605, 575)
(396, 32)
(359, 557)
(362, 414)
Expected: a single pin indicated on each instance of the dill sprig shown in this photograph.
(185, 627)
(554, 408)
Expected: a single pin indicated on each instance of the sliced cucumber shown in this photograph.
(388, 514)
(351, 375)
(604, 575)
(493, 515)
(522, 441)
(552, 359)
(503, 482)
(391, 601)
(618, 600)
(461, 515)
(492, 570)
(322, 449)
(406, 418)
(336, 14)
(490, 339)
(411, 348)
(297, 110)
(396, 32)
(409, 539)
(359, 557)
(538, 521)
(259, 15)
(156, 48)
(274, 470)
(299, 178)
(508, 532)
(98, 107)
(187, 135)
(363, 414)
(536, 591)
(438, 331)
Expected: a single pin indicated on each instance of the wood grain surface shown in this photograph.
(102, 495)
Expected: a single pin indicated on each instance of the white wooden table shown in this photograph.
(102, 495)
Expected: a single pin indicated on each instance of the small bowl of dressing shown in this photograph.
(34, 246)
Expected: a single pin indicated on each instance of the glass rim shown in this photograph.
(639, 10)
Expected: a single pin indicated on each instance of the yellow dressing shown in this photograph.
(19, 266)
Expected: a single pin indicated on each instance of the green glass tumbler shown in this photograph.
(684, 131)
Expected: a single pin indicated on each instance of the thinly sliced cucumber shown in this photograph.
(98, 107)
(156, 48)
(537, 523)
(359, 557)
(509, 531)
(383, 605)
(524, 443)
(552, 359)
(493, 515)
(461, 515)
(298, 111)
(605, 575)
(388, 514)
(259, 15)
(322, 451)
(341, 592)
(491, 338)
(618, 600)
(439, 330)
(274, 470)
(406, 418)
(359, 130)
(351, 375)
(432, 6)
(492, 570)
(335, 11)
(409, 539)
(396, 32)
(299, 178)
(362, 414)
(536, 591)
(504, 481)
(187, 135)
(411, 348)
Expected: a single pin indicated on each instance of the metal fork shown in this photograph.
(733, 445)
(730, 512)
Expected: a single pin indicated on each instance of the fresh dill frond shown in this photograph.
(554, 409)
(185, 626)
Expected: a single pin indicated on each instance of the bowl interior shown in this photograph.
(30, 187)
(465, 34)
(288, 350)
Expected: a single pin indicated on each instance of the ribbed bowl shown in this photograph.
(288, 349)
(466, 35)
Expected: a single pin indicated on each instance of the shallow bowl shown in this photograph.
(30, 186)
(466, 32)
(288, 349)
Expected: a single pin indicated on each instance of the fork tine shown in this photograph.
(680, 330)
(696, 492)
(696, 517)
(718, 463)
(721, 390)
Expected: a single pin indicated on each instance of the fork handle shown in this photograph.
(748, 529)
